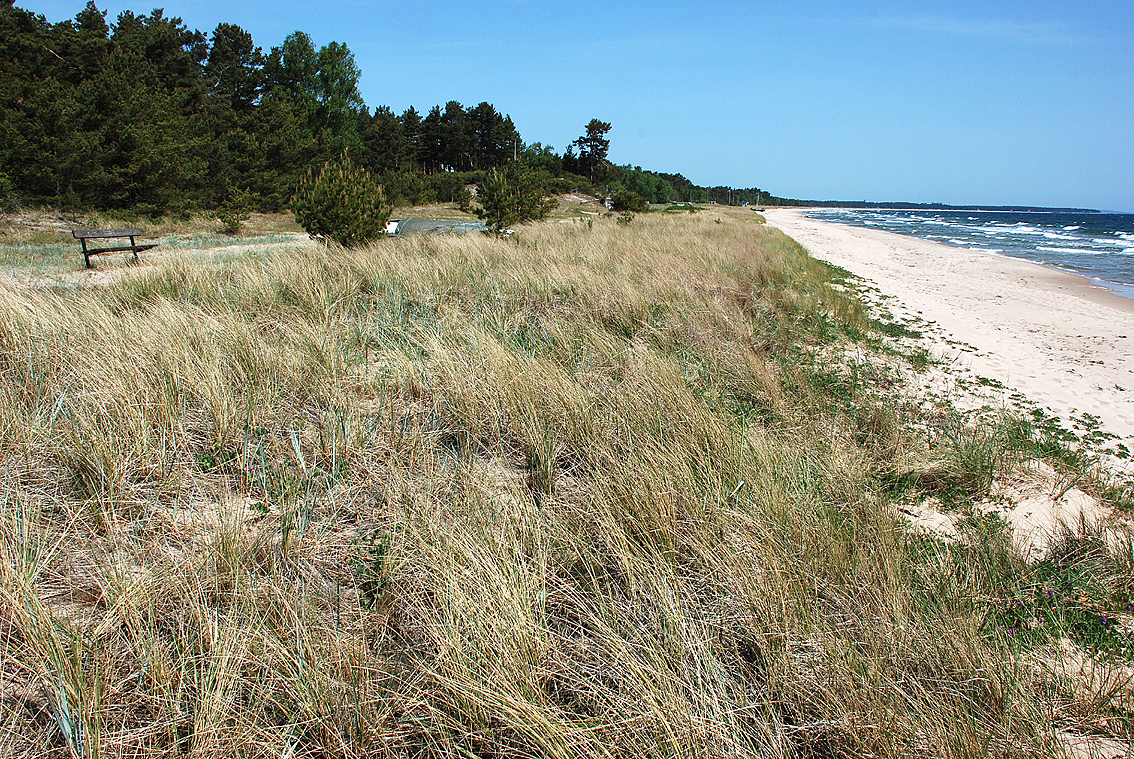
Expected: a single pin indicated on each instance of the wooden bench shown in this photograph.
(82, 235)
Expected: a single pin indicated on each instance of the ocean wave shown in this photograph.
(1076, 251)
(1098, 245)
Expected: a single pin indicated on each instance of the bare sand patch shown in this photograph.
(1036, 503)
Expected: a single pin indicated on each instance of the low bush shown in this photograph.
(235, 211)
(628, 200)
(449, 186)
(342, 203)
(408, 188)
(513, 195)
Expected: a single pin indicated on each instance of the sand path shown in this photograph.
(1057, 338)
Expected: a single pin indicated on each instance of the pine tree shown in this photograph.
(235, 68)
(341, 202)
(513, 195)
(593, 147)
(384, 145)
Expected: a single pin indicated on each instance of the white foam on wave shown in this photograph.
(1054, 236)
(1074, 251)
(1071, 229)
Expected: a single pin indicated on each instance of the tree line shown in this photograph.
(147, 115)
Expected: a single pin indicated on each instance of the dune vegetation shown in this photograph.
(598, 489)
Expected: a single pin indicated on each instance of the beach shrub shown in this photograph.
(464, 200)
(512, 195)
(628, 200)
(407, 188)
(449, 185)
(235, 211)
(341, 202)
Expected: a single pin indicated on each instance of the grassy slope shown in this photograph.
(601, 489)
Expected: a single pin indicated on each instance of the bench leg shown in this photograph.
(86, 255)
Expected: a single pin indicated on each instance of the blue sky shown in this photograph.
(959, 102)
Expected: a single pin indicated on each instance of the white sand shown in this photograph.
(1055, 337)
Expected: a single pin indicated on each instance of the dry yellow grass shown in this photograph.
(578, 493)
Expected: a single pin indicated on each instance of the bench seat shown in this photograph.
(82, 235)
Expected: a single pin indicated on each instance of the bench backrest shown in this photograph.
(80, 234)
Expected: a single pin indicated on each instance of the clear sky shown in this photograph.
(958, 102)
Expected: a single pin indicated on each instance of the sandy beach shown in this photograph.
(1057, 338)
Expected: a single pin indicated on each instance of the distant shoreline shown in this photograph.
(818, 206)
(1093, 245)
(1055, 336)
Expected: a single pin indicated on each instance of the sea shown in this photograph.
(1099, 246)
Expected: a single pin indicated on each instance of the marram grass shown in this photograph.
(585, 492)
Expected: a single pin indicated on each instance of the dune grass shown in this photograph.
(597, 490)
